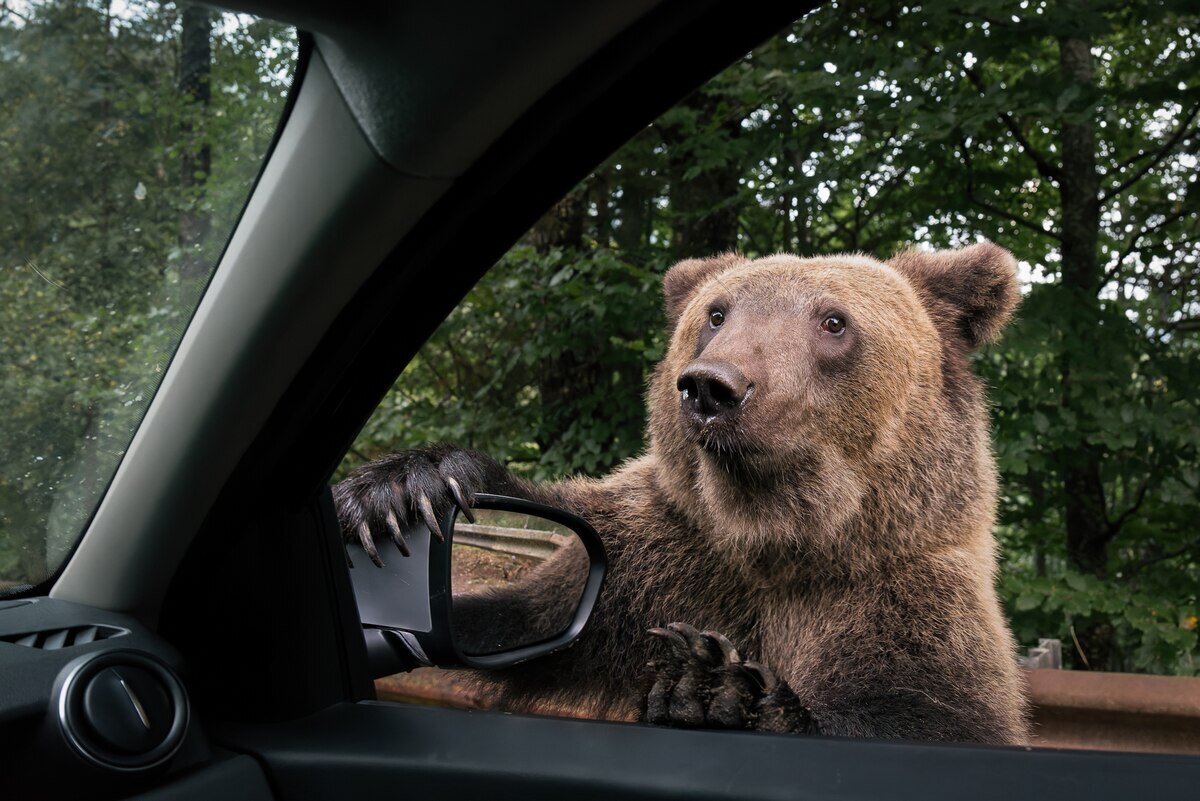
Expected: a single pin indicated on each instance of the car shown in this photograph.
(210, 581)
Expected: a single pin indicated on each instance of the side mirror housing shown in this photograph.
(517, 583)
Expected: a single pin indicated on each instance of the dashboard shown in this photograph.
(92, 701)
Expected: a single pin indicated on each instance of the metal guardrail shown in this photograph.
(1115, 711)
(519, 541)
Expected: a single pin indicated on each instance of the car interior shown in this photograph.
(418, 142)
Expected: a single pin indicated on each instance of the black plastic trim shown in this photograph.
(381, 750)
(232, 778)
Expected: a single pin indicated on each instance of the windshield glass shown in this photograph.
(131, 134)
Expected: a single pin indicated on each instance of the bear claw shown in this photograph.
(460, 500)
(428, 517)
(704, 682)
(394, 528)
(418, 486)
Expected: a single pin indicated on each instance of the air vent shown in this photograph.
(57, 639)
(123, 710)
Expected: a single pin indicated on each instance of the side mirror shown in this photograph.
(517, 583)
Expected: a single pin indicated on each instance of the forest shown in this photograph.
(1066, 131)
(130, 136)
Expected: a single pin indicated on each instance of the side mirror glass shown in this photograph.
(516, 582)
(516, 579)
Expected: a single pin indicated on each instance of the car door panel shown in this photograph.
(373, 749)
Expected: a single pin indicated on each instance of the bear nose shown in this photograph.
(709, 389)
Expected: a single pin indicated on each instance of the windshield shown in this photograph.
(131, 134)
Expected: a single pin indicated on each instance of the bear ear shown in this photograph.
(686, 277)
(973, 289)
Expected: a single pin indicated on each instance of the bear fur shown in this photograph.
(818, 493)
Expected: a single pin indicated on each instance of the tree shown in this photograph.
(195, 73)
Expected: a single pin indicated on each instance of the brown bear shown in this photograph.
(818, 493)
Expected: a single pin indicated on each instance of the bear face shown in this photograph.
(830, 383)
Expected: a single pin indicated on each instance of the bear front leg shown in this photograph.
(422, 484)
(705, 683)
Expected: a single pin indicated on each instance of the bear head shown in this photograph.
(816, 402)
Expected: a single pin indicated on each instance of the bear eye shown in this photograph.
(716, 318)
(834, 324)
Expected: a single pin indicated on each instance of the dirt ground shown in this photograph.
(475, 568)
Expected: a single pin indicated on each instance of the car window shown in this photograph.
(132, 134)
(1065, 134)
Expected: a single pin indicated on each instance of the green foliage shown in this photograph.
(879, 127)
(94, 293)
(1154, 628)
(1139, 411)
(571, 326)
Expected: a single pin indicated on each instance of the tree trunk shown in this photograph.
(195, 70)
(1087, 526)
(707, 219)
(704, 211)
(1088, 531)
(563, 377)
(562, 226)
(633, 210)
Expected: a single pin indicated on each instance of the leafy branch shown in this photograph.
(1114, 526)
(1181, 134)
(1045, 168)
(1183, 209)
(991, 208)
(1142, 564)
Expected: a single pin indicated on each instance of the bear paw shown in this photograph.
(705, 683)
(416, 485)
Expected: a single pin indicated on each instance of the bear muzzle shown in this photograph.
(712, 392)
